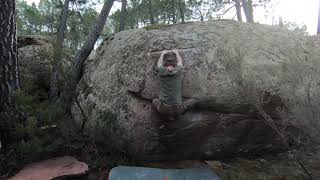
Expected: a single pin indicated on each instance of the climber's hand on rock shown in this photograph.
(175, 51)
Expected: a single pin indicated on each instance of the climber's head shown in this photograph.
(170, 60)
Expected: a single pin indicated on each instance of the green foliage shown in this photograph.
(141, 13)
(204, 9)
(111, 140)
(80, 22)
(44, 19)
(34, 136)
(38, 19)
(42, 133)
(156, 26)
(37, 136)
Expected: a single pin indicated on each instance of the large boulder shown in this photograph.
(221, 60)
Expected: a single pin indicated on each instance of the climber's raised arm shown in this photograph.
(160, 61)
(179, 59)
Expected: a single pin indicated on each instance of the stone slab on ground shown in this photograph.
(52, 168)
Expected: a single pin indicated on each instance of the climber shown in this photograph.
(170, 78)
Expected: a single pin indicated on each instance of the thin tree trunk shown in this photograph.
(173, 6)
(250, 8)
(123, 15)
(151, 12)
(246, 11)
(9, 73)
(82, 54)
(52, 21)
(201, 16)
(318, 30)
(181, 9)
(87, 47)
(54, 80)
(62, 24)
(54, 89)
(238, 9)
(280, 22)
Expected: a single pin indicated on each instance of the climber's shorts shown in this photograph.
(172, 110)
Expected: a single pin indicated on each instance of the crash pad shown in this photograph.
(144, 173)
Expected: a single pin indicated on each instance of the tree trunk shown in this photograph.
(247, 11)
(151, 12)
(250, 8)
(318, 30)
(9, 79)
(123, 15)
(87, 47)
(9, 74)
(173, 7)
(201, 16)
(181, 9)
(54, 80)
(54, 89)
(280, 22)
(52, 21)
(62, 24)
(238, 9)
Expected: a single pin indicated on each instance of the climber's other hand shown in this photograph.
(164, 52)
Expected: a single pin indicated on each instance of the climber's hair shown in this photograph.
(170, 59)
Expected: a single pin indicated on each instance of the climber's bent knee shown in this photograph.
(188, 104)
(172, 110)
(156, 103)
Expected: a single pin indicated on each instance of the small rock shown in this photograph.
(215, 164)
(262, 160)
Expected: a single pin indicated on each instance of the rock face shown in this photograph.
(221, 59)
(53, 168)
(36, 57)
(34, 61)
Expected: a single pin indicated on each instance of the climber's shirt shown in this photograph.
(170, 85)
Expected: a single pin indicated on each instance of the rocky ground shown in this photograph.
(270, 167)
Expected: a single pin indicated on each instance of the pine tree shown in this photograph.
(9, 74)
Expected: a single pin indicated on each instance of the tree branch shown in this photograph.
(83, 115)
(226, 10)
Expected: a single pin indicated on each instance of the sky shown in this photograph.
(298, 11)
